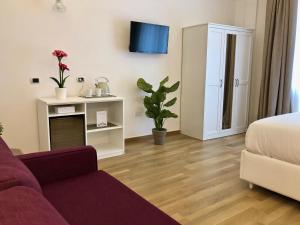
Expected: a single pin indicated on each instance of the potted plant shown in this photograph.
(61, 90)
(156, 106)
(1, 129)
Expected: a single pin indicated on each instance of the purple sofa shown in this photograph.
(65, 188)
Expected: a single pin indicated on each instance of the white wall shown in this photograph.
(95, 33)
(245, 15)
(252, 14)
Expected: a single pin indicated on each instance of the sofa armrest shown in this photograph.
(56, 165)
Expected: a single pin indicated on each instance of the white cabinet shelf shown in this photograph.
(92, 128)
(65, 114)
(108, 141)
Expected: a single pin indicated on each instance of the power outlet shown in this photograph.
(80, 79)
(35, 80)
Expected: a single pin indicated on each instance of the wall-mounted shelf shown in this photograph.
(108, 141)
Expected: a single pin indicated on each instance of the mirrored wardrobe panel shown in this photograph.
(229, 81)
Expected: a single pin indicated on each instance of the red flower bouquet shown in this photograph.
(59, 54)
(63, 67)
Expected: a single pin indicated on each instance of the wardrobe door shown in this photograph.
(214, 82)
(242, 81)
(228, 84)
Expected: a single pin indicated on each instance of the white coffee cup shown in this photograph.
(89, 93)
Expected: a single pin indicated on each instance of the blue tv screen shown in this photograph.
(149, 38)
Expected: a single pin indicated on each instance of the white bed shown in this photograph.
(272, 155)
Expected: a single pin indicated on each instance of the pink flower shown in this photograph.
(59, 54)
(63, 67)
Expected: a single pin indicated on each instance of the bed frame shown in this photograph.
(275, 175)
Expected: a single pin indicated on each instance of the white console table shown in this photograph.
(108, 141)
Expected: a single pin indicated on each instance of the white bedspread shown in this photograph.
(276, 137)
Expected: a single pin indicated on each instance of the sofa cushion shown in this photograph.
(13, 172)
(98, 198)
(25, 206)
(8, 182)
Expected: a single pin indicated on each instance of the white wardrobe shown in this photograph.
(216, 69)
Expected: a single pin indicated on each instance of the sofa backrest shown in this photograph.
(22, 205)
(13, 172)
(4, 149)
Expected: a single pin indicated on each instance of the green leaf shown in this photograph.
(154, 109)
(56, 81)
(64, 81)
(171, 102)
(143, 85)
(167, 114)
(162, 83)
(147, 101)
(158, 97)
(173, 88)
(150, 114)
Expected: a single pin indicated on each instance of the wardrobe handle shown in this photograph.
(221, 83)
(235, 82)
(238, 82)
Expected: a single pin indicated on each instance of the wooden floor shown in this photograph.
(198, 182)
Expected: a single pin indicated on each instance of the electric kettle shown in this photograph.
(102, 83)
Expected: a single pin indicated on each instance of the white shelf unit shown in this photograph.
(108, 141)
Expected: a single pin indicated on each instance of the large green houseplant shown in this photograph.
(156, 106)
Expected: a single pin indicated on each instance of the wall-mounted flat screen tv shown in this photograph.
(148, 38)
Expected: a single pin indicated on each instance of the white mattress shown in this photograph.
(276, 137)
